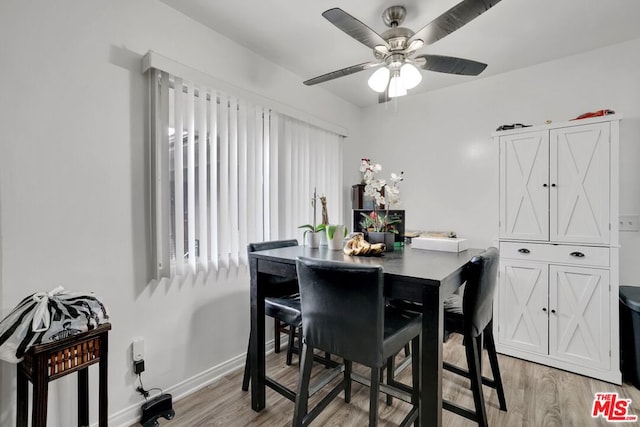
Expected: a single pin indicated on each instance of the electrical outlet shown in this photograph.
(629, 222)
(138, 349)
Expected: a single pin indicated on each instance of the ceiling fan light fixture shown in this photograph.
(415, 45)
(410, 75)
(379, 79)
(396, 87)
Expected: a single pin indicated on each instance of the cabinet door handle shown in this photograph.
(544, 309)
(577, 254)
(553, 311)
(523, 250)
(545, 185)
(553, 185)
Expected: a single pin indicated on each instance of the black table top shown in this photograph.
(434, 267)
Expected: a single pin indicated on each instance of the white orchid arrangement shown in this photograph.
(384, 194)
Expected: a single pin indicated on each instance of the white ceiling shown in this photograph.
(511, 35)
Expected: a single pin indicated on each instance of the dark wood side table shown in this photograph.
(44, 363)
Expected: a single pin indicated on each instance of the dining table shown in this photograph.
(422, 276)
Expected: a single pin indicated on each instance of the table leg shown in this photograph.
(22, 416)
(103, 378)
(257, 339)
(83, 397)
(431, 355)
(40, 393)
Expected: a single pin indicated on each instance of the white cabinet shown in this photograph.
(579, 315)
(523, 305)
(524, 182)
(554, 310)
(557, 298)
(555, 185)
(579, 184)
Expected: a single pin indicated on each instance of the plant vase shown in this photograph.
(335, 236)
(323, 238)
(312, 239)
(385, 237)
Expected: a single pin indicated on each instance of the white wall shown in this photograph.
(442, 139)
(72, 170)
(72, 185)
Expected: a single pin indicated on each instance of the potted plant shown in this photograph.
(378, 225)
(313, 232)
(335, 236)
(380, 228)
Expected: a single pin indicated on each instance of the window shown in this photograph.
(227, 171)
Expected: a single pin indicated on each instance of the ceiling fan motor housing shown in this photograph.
(394, 16)
(397, 38)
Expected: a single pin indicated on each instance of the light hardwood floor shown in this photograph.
(536, 396)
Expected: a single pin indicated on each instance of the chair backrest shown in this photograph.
(274, 244)
(477, 302)
(343, 309)
(276, 286)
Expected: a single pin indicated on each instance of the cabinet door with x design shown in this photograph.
(579, 184)
(554, 185)
(579, 315)
(557, 296)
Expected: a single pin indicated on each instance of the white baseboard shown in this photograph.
(131, 415)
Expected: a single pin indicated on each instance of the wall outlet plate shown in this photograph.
(138, 349)
(629, 222)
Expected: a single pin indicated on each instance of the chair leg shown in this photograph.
(247, 368)
(373, 397)
(479, 344)
(390, 371)
(415, 375)
(347, 379)
(302, 397)
(473, 361)
(407, 351)
(292, 338)
(495, 368)
(327, 356)
(276, 335)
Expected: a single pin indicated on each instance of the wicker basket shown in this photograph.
(67, 355)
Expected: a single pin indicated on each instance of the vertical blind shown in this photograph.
(227, 172)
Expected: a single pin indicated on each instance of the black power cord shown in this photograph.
(145, 393)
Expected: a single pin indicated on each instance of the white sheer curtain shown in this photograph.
(227, 172)
(311, 158)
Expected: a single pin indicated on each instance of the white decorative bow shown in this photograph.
(41, 316)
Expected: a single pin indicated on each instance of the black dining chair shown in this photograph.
(282, 302)
(344, 313)
(471, 314)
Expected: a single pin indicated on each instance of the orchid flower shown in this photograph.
(375, 187)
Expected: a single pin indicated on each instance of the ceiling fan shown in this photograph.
(395, 49)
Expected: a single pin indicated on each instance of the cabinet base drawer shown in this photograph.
(562, 254)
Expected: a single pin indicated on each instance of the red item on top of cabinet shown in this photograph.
(598, 113)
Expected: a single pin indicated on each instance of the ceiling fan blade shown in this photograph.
(354, 28)
(450, 65)
(341, 73)
(445, 24)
